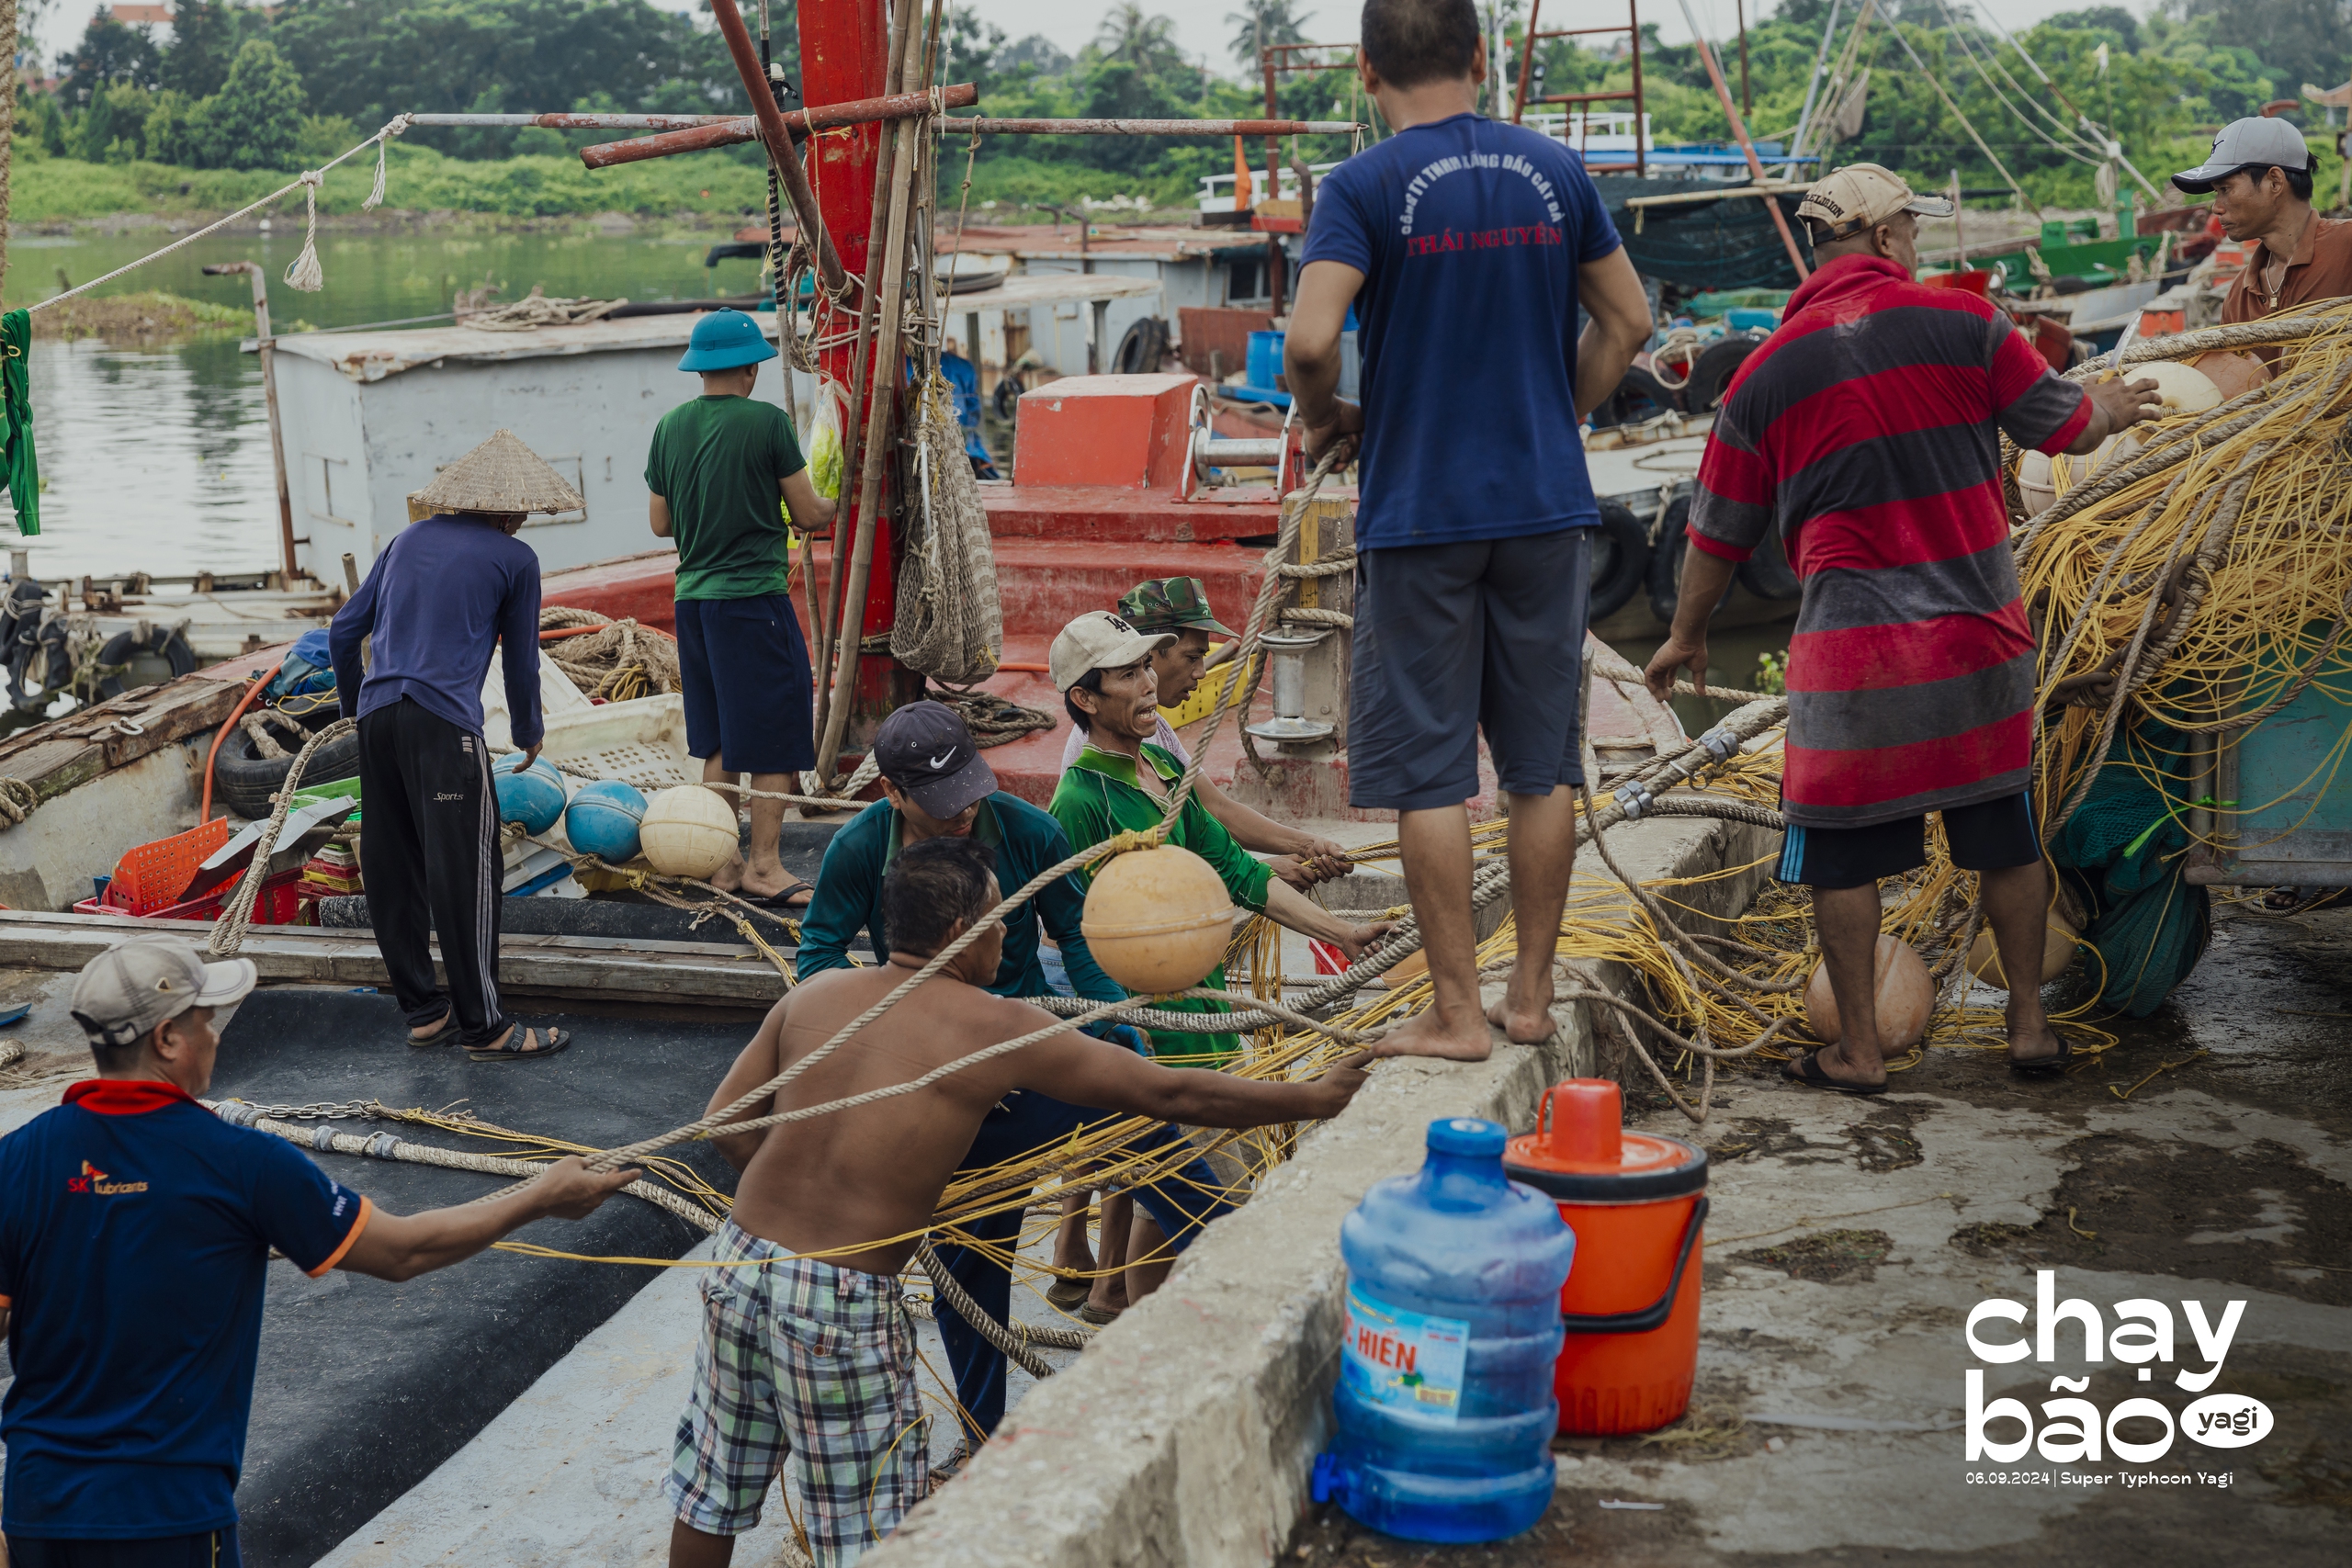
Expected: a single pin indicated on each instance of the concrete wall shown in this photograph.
(1184, 1436)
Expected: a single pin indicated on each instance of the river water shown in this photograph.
(156, 458)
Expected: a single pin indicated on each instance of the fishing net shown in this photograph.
(950, 622)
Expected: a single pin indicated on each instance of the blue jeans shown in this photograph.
(1025, 1123)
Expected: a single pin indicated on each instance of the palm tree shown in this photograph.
(1146, 41)
(1262, 22)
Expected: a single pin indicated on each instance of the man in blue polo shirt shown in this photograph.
(936, 785)
(1467, 247)
(135, 1231)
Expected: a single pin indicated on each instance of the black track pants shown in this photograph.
(428, 851)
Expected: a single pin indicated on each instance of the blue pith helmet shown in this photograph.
(724, 340)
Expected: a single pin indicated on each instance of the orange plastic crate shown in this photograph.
(153, 876)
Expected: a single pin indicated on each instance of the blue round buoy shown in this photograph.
(532, 796)
(602, 820)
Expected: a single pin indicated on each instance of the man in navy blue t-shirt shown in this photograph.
(135, 1228)
(1464, 246)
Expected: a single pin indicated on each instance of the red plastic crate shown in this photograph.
(280, 904)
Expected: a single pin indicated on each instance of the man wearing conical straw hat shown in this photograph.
(443, 594)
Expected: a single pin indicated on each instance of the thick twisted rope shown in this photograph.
(384, 1146)
(229, 932)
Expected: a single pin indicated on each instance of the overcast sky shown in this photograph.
(1200, 27)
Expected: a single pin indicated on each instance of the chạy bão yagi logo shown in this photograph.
(2143, 1333)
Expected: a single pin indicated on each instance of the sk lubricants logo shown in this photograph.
(2143, 1334)
(93, 1179)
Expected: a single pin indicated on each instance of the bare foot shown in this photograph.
(728, 878)
(433, 1031)
(1428, 1034)
(1108, 1294)
(1524, 1015)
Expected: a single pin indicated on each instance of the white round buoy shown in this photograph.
(2057, 953)
(2180, 388)
(1906, 994)
(1158, 921)
(688, 831)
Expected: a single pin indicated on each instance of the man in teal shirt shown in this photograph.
(717, 468)
(936, 785)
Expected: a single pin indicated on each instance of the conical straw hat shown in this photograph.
(500, 475)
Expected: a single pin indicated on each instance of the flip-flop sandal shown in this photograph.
(2046, 1067)
(1810, 1074)
(781, 900)
(1067, 1295)
(1089, 1312)
(554, 1043)
(440, 1035)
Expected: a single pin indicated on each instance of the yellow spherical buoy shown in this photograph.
(1906, 993)
(688, 831)
(2057, 953)
(1157, 920)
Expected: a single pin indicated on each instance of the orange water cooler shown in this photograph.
(1637, 1202)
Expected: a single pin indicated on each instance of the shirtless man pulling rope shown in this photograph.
(813, 1348)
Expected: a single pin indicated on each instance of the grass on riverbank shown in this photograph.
(50, 190)
(150, 313)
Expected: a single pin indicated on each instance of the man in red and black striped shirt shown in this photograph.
(1867, 428)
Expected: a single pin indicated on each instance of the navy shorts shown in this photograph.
(1452, 639)
(745, 668)
(1992, 835)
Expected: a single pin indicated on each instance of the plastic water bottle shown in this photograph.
(1445, 1405)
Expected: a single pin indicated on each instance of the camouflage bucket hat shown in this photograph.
(1172, 603)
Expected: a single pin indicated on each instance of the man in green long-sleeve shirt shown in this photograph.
(1121, 781)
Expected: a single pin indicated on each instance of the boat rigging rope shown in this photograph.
(309, 181)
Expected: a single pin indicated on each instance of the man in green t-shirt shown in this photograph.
(717, 468)
(1122, 781)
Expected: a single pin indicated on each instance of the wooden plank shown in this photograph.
(711, 974)
(76, 748)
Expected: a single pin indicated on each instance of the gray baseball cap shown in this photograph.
(2258, 143)
(124, 992)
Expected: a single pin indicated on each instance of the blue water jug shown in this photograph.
(1445, 1406)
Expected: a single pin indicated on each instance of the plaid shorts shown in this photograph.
(801, 1355)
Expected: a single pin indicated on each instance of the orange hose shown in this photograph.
(554, 632)
(1027, 669)
(204, 813)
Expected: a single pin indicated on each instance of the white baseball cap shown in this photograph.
(1099, 640)
(123, 993)
(2254, 142)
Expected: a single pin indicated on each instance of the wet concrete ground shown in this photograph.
(1850, 1240)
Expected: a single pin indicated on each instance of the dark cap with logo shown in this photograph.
(924, 749)
(1170, 604)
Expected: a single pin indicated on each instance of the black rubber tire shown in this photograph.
(1714, 371)
(244, 780)
(1620, 561)
(1767, 573)
(1141, 348)
(1639, 396)
(1666, 562)
(123, 646)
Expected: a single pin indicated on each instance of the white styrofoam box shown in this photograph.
(556, 695)
(642, 742)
